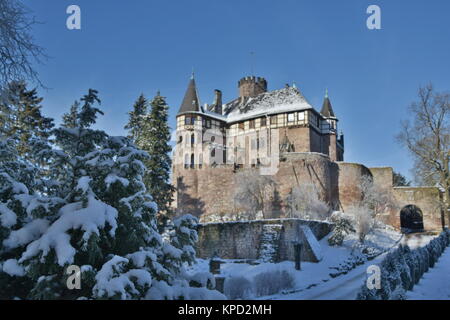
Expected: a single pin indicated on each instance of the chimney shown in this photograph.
(218, 101)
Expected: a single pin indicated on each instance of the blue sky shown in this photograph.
(128, 47)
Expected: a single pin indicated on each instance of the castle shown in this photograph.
(279, 133)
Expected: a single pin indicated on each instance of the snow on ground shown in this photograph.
(435, 284)
(417, 240)
(314, 279)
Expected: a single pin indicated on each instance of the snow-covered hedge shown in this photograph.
(403, 268)
(263, 284)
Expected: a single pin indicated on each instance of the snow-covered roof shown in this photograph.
(273, 102)
(278, 101)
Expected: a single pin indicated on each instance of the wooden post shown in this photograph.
(298, 255)
(214, 266)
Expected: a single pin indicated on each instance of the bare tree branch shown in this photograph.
(18, 51)
(427, 137)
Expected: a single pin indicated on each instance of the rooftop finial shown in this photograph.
(192, 74)
(326, 93)
(294, 85)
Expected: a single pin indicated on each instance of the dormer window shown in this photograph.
(291, 117)
(263, 122)
(273, 120)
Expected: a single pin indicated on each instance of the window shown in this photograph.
(192, 161)
(301, 116)
(263, 122)
(291, 117)
(193, 120)
(204, 122)
(180, 139)
(213, 153)
(252, 124)
(213, 138)
(187, 120)
(186, 161)
(273, 120)
(192, 139)
(241, 126)
(208, 124)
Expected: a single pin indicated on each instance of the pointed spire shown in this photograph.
(327, 109)
(190, 100)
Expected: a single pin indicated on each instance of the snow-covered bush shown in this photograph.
(363, 220)
(271, 282)
(342, 227)
(304, 202)
(403, 268)
(202, 280)
(238, 288)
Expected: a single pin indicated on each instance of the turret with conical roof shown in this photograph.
(190, 101)
(327, 109)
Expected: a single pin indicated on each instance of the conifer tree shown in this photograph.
(151, 132)
(22, 119)
(99, 217)
(135, 120)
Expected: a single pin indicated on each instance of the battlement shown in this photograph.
(252, 86)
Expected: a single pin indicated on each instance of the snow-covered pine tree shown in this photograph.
(100, 218)
(135, 118)
(151, 132)
(185, 236)
(24, 216)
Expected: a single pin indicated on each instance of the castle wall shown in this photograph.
(299, 137)
(382, 177)
(209, 191)
(241, 240)
(350, 177)
(426, 198)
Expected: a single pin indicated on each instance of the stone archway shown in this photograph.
(411, 219)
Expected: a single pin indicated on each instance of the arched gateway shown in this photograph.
(411, 219)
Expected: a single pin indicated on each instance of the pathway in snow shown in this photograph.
(435, 284)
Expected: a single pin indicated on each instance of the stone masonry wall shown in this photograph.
(426, 198)
(241, 240)
(210, 190)
(350, 176)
